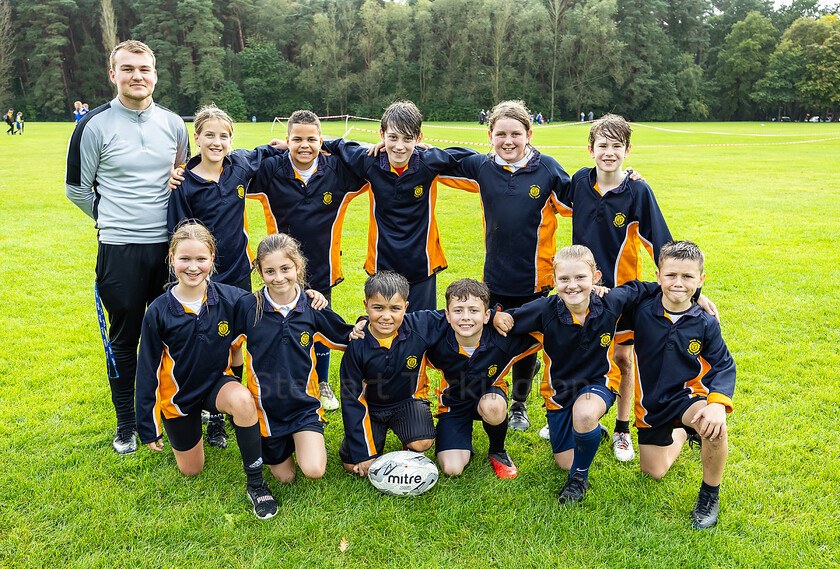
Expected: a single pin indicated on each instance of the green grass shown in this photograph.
(765, 214)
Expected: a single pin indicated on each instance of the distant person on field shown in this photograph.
(591, 116)
(123, 187)
(686, 377)
(616, 217)
(10, 121)
(79, 111)
(19, 123)
(582, 117)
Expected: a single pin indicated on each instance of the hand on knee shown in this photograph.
(421, 445)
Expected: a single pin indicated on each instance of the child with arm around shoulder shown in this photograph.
(577, 329)
(383, 380)
(281, 327)
(617, 217)
(403, 235)
(686, 377)
(186, 355)
(212, 190)
(474, 360)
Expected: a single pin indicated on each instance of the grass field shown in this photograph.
(765, 212)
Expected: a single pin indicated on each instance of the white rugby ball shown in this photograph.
(403, 473)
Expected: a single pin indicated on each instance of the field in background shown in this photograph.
(764, 209)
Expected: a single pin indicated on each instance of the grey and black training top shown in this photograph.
(118, 165)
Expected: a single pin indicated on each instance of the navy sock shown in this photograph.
(711, 490)
(496, 436)
(622, 426)
(586, 446)
(249, 440)
(322, 362)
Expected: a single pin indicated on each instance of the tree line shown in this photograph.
(645, 59)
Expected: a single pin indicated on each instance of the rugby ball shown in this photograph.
(403, 473)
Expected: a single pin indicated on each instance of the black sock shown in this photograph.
(622, 426)
(237, 370)
(711, 490)
(250, 447)
(496, 436)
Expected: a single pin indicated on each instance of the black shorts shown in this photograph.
(411, 421)
(662, 436)
(455, 426)
(185, 432)
(276, 450)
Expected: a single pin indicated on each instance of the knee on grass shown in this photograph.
(190, 469)
(655, 471)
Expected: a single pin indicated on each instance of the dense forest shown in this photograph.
(646, 59)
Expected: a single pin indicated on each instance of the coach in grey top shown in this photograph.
(118, 164)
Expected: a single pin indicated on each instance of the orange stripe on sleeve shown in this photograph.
(722, 399)
(312, 387)
(695, 384)
(629, 265)
(545, 248)
(336, 274)
(434, 250)
(421, 391)
(366, 422)
(460, 183)
(167, 387)
(270, 222)
(639, 408)
(253, 384)
(318, 337)
(373, 237)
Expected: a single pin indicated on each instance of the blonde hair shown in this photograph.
(211, 112)
(191, 229)
(289, 246)
(515, 110)
(132, 46)
(576, 253)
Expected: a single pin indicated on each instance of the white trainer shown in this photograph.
(623, 447)
(544, 433)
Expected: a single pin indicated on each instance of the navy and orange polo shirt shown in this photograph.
(402, 231)
(220, 206)
(615, 225)
(182, 355)
(280, 367)
(520, 220)
(578, 354)
(378, 378)
(678, 360)
(466, 378)
(312, 213)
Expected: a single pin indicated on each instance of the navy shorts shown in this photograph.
(411, 421)
(185, 432)
(560, 428)
(663, 435)
(423, 295)
(277, 450)
(455, 426)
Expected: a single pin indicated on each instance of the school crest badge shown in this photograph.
(411, 362)
(224, 328)
(534, 192)
(605, 340)
(304, 339)
(327, 198)
(240, 191)
(694, 347)
(418, 191)
(491, 371)
(619, 220)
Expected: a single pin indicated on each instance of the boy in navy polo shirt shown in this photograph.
(686, 377)
(474, 360)
(383, 380)
(402, 233)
